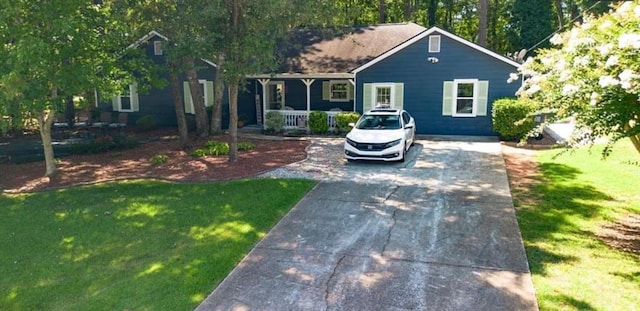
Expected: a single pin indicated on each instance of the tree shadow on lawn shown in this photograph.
(131, 245)
(555, 217)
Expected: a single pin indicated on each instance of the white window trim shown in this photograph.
(474, 110)
(433, 47)
(374, 93)
(284, 102)
(131, 90)
(204, 96)
(157, 47)
(346, 90)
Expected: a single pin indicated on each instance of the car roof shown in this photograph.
(384, 111)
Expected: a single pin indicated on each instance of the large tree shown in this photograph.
(50, 50)
(593, 76)
(244, 40)
(531, 21)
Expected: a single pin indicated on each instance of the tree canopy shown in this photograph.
(593, 76)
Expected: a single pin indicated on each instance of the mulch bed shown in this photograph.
(135, 163)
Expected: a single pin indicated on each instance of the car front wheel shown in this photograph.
(404, 153)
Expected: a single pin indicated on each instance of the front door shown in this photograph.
(275, 95)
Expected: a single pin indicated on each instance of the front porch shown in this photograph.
(296, 96)
(299, 119)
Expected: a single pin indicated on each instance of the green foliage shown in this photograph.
(218, 148)
(593, 76)
(274, 121)
(512, 118)
(343, 119)
(159, 159)
(318, 122)
(110, 240)
(530, 23)
(106, 143)
(245, 146)
(146, 123)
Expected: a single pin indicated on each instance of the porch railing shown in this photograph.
(298, 119)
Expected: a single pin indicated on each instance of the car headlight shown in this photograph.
(351, 142)
(392, 143)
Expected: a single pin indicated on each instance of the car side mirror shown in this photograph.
(352, 124)
(408, 126)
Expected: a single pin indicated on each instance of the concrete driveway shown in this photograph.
(437, 232)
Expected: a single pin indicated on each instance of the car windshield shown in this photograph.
(379, 122)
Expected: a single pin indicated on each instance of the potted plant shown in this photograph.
(242, 119)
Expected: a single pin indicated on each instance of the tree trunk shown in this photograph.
(179, 107)
(218, 94)
(560, 13)
(45, 121)
(409, 6)
(233, 122)
(635, 140)
(482, 22)
(70, 111)
(382, 12)
(202, 119)
(431, 12)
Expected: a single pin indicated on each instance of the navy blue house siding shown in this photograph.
(158, 102)
(423, 83)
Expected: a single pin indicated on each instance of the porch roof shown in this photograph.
(314, 52)
(339, 75)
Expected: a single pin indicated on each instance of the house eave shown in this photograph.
(341, 75)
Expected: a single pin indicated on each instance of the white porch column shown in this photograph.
(308, 83)
(264, 83)
(353, 82)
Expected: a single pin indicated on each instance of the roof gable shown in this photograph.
(439, 31)
(323, 51)
(146, 38)
(153, 34)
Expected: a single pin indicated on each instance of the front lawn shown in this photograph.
(137, 245)
(580, 202)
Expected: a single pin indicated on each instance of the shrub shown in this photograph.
(105, 143)
(159, 159)
(274, 121)
(217, 148)
(512, 118)
(244, 146)
(146, 123)
(318, 122)
(343, 119)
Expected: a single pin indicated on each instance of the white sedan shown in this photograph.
(381, 134)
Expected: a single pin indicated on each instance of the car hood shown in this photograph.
(374, 136)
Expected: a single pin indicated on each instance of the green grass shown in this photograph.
(578, 194)
(134, 245)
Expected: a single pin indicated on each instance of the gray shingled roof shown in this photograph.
(309, 51)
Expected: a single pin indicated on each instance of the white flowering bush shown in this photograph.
(593, 75)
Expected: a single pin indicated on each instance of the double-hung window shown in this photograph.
(465, 98)
(465, 92)
(388, 94)
(339, 91)
(206, 87)
(125, 101)
(383, 95)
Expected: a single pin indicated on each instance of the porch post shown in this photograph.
(353, 82)
(308, 83)
(264, 83)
